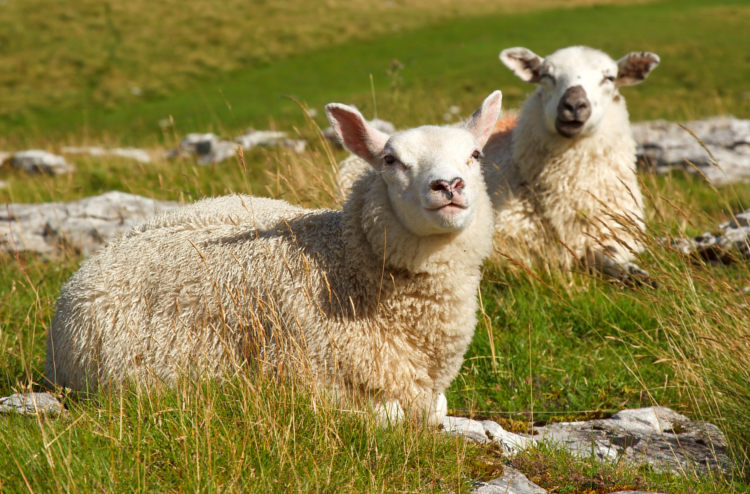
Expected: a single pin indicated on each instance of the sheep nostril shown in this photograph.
(438, 185)
(457, 184)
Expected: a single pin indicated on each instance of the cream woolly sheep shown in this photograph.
(379, 299)
(563, 181)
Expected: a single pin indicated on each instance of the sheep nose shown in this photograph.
(574, 105)
(451, 188)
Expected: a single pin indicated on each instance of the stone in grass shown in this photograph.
(31, 403)
(656, 436)
(731, 243)
(469, 429)
(512, 482)
(36, 161)
(270, 138)
(86, 224)
(512, 443)
(139, 155)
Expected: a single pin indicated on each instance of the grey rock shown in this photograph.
(731, 242)
(252, 138)
(656, 436)
(270, 138)
(512, 482)
(723, 158)
(36, 161)
(469, 429)
(648, 420)
(31, 403)
(382, 125)
(510, 442)
(208, 148)
(86, 224)
(139, 155)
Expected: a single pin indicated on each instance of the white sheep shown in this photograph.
(563, 181)
(562, 178)
(378, 301)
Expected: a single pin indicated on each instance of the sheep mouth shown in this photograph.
(569, 129)
(451, 207)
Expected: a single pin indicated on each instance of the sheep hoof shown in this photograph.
(634, 275)
(389, 413)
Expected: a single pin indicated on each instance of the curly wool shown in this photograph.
(374, 310)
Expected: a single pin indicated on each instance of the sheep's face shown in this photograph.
(577, 85)
(432, 174)
(433, 178)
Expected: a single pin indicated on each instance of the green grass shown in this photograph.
(702, 74)
(548, 346)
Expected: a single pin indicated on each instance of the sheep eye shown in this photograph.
(476, 155)
(389, 160)
(610, 78)
(549, 78)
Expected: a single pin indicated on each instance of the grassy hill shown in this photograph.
(445, 62)
(550, 346)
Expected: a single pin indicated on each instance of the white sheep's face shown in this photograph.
(432, 174)
(434, 178)
(578, 84)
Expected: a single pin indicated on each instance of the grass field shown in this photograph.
(548, 346)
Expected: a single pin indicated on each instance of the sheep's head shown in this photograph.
(432, 174)
(578, 84)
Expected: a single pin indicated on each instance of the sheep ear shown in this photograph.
(634, 67)
(523, 62)
(356, 134)
(483, 121)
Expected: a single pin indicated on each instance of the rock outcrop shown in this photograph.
(655, 436)
(85, 225)
(729, 243)
(723, 158)
(210, 148)
(31, 404)
(35, 161)
(139, 155)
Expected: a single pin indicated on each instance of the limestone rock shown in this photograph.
(732, 241)
(469, 429)
(86, 224)
(512, 482)
(36, 161)
(725, 158)
(139, 155)
(509, 441)
(270, 138)
(656, 436)
(31, 403)
(208, 148)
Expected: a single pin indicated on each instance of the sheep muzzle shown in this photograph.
(573, 110)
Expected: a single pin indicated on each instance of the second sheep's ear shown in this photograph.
(356, 134)
(523, 62)
(634, 67)
(483, 121)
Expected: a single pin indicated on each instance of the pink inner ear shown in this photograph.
(356, 133)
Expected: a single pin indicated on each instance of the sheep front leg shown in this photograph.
(611, 263)
(389, 413)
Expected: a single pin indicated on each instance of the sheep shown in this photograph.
(563, 181)
(377, 300)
